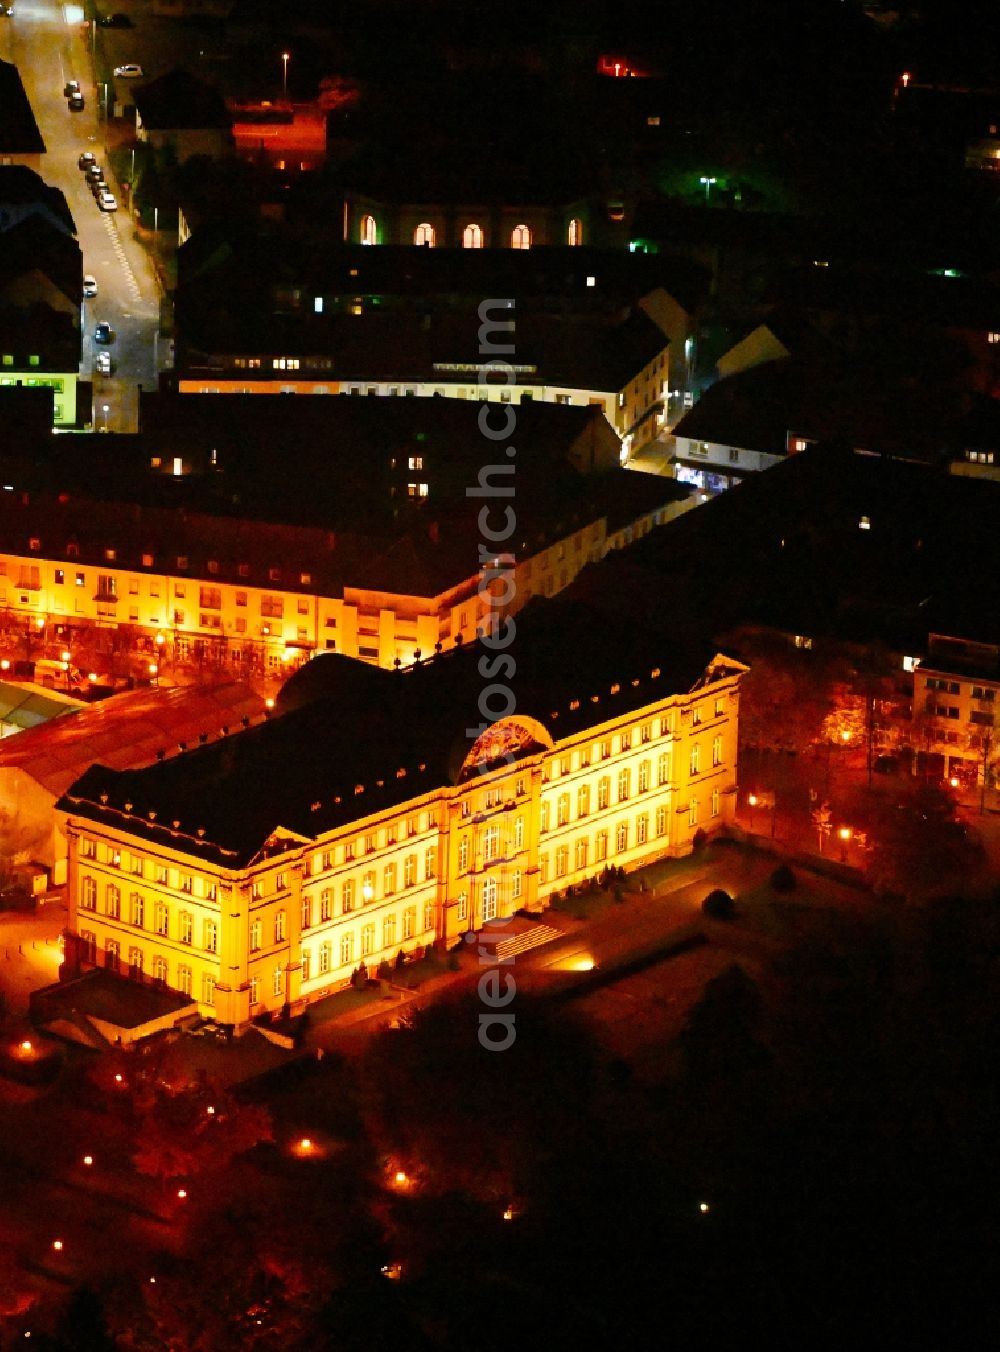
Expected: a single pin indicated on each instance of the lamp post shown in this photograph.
(752, 803)
(707, 182)
(285, 56)
(845, 835)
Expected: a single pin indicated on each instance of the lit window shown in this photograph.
(574, 234)
(369, 230)
(424, 235)
(472, 237)
(520, 237)
(318, 305)
(864, 523)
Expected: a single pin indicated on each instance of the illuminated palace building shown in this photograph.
(376, 811)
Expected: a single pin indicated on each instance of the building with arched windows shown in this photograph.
(490, 223)
(255, 873)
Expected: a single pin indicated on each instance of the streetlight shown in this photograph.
(708, 182)
(752, 802)
(105, 409)
(845, 834)
(285, 56)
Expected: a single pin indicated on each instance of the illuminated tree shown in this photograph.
(917, 846)
(178, 1137)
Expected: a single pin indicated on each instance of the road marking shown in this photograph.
(112, 228)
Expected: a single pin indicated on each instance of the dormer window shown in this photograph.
(34, 543)
(110, 555)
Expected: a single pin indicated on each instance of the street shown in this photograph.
(50, 44)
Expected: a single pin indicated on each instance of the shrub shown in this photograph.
(385, 970)
(453, 961)
(400, 960)
(718, 905)
(698, 840)
(783, 879)
(619, 894)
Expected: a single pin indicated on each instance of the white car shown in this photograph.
(129, 72)
(89, 286)
(103, 364)
(107, 201)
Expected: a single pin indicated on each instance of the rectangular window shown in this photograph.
(184, 927)
(211, 936)
(279, 927)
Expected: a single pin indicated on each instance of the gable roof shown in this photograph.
(19, 134)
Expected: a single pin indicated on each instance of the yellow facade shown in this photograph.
(292, 618)
(296, 922)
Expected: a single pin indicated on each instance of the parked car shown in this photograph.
(107, 201)
(117, 20)
(86, 159)
(89, 286)
(76, 104)
(70, 88)
(130, 71)
(103, 333)
(104, 365)
(94, 170)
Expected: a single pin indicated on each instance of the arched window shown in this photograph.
(472, 237)
(424, 235)
(574, 234)
(369, 230)
(520, 237)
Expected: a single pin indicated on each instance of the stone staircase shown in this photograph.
(508, 949)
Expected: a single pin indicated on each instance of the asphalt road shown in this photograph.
(50, 44)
